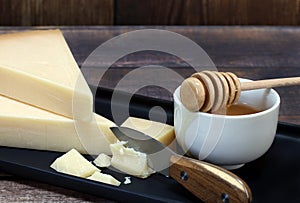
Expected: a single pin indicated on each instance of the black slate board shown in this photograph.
(275, 177)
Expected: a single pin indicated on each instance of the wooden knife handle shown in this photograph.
(208, 182)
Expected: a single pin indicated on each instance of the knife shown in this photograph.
(208, 182)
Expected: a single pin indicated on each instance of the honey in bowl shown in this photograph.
(241, 109)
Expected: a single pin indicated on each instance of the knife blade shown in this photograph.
(208, 182)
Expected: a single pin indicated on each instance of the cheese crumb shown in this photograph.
(127, 180)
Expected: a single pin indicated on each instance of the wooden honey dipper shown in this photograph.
(210, 91)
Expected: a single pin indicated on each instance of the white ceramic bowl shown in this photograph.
(229, 141)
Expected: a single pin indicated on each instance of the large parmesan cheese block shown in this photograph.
(37, 67)
(73, 163)
(25, 126)
(162, 132)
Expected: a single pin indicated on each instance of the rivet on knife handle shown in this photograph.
(208, 182)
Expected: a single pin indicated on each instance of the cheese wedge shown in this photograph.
(25, 126)
(37, 68)
(102, 160)
(73, 163)
(130, 161)
(104, 178)
(162, 132)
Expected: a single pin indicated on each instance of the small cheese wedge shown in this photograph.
(102, 160)
(104, 178)
(130, 161)
(25, 126)
(37, 68)
(73, 163)
(162, 132)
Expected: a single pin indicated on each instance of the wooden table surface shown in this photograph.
(250, 52)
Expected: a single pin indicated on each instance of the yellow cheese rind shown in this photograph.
(104, 178)
(24, 126)
(102, 160)
(37, 68)
(162, 132)
(130, 161)
(73, 163)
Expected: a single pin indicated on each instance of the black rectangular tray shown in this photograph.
(275, 177)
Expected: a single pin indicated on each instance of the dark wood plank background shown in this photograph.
(149, 12)
(207, 12)
(56, 12)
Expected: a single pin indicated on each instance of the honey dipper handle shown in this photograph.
(270, 83)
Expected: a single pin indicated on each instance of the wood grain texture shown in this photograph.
(209, 183)
(159, 12)
(252, 12)
(271, 83)
(207, 12)
(22, 190)
(150, 12)
(56, 12)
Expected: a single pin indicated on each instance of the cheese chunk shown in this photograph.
(73, 163)
(162, 132)
(130, 161)
(24, 126)
(102, 160)
(37, 68)
(104, 178)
